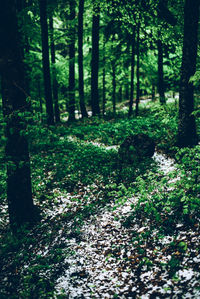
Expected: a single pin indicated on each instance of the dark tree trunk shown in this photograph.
(53, 61)
(19, 194)
(40, 97)
(120, 94)
(114, 87)
(80, 59)
(153, 92)
(21, 5)
(132, 74)
(187, 128)
(72, 63)
(161, 87)
(45, 61)
(127, 89)
(138, 71)
(95, 63)
(104, 82)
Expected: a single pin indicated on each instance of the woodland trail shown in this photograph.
(110, 260)
(89, 246)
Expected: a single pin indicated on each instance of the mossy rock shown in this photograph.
(136, 148)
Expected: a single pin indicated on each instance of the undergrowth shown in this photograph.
(63, 162)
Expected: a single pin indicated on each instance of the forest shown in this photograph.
(99, 149)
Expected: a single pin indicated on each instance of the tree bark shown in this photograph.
(187, 127)
(114, 87)
(95, 62)
(132, 74)
(161, 87)
(153, 91)
(45, 62)
(138, 71)
(19, 193)
(72, 63)
(80, 59)
(120, 94)
(104, 80)
(127, 88)
(53, 61)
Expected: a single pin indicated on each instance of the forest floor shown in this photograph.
(101, 237)
(110, 260)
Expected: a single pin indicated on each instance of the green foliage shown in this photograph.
(169, 200)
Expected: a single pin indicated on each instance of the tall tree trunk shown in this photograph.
(104, 80)
(95, 62)
(187, 128)
(19, 193)
(21, 6)
(160, 73)
(80, 59)
(53, 61)
(114, 87)
(72, 63)
(132, 73)
(45, 62)
(138, 70)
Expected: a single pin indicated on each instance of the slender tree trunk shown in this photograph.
(19, 193)
(104, 78)
(95, 63)
(132, 73)
(104, 90)
(53, 61)
(138, 71)
(126, 88)
(80, 59)
(40, 98)
(187, 128)
(114, 87)
(45, 61)
(160, 73)
(72, 63)
(153, 92)
(120, 94)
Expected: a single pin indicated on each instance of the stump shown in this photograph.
(136, 147)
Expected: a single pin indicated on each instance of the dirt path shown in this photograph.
(112, 261)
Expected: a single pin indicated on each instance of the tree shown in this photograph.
(132, 72)
(138, 70)
(160, 71)
(45, 62)
(104, 79)
(80, 59)
(72, 63)
(95, 62)
(187, 128)
(19, 193)
(54, 79)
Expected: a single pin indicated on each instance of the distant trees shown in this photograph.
(15, 105)
(187, 128)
